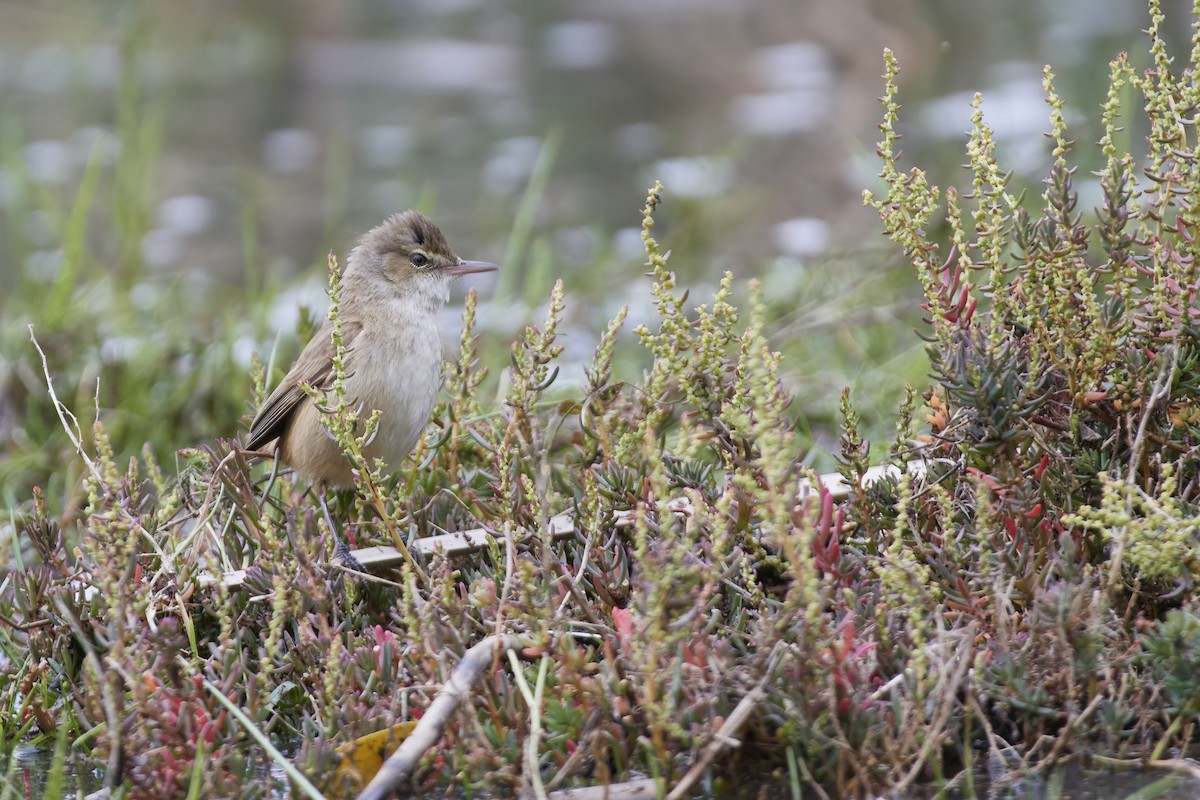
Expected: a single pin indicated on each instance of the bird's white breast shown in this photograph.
(398, 374)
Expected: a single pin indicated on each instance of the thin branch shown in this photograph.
(723, 740)
(644, 789)
(400, 765)
(63, 412)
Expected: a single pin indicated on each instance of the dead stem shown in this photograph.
(400, 765)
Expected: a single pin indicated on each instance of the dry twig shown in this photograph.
(643, 789)
(723, 739)
(400, 765)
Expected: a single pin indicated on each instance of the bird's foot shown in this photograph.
(343, 556)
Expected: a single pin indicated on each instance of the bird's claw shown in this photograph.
(342, 555)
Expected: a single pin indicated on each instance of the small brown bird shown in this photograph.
(393, 285)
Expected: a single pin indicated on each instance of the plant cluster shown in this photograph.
(1057, 515)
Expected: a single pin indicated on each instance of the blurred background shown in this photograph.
(172, 175)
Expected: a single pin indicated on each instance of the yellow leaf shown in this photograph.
(362, 758)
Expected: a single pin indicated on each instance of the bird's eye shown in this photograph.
(418, 259)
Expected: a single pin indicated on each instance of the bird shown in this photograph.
(395, 281)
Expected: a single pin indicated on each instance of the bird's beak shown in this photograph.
(469, 267)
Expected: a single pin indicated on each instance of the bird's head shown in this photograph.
(412, 257)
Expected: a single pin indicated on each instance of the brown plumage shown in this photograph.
(393, 285)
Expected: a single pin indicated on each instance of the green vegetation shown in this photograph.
(1027, 600)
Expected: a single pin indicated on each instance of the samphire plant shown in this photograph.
(1064, 345)
(1024, 597)
(1062, 469)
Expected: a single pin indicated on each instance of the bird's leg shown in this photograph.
(341, 551)
(274, 474)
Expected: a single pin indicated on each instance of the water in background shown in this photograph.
(313, 120)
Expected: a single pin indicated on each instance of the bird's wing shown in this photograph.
(313, 367)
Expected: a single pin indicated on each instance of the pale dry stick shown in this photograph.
(643, 789)
(63, 412)
(892, 683)
(533, 699)
(400, 765)
(723, 739)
